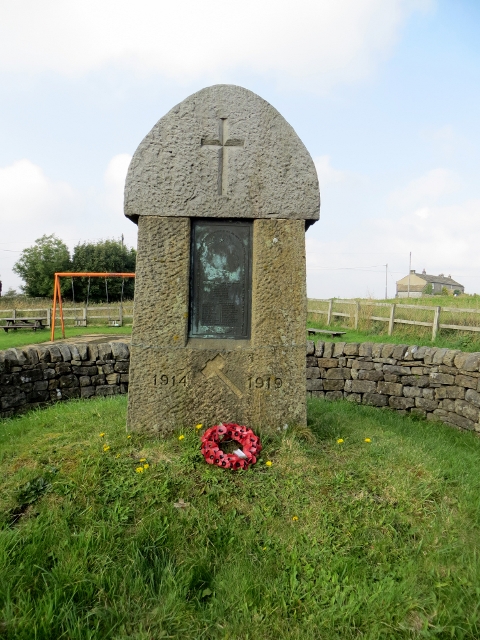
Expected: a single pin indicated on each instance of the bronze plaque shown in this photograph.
(220, 279)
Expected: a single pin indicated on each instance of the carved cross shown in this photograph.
(225, 143)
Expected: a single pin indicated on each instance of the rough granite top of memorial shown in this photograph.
(223, 152)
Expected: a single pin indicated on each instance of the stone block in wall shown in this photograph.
(410, 351)
(362, 364)
(31, 376)
(120, 350)
(333, 385)
(424, 403)
(334, 395)
(442, 378)
(124, 378)
(328, 349)
(55, 394)
(364, 386)
(55, 353)
(338, 373)
(40, 385)
(65, 351)
(98, 380)
(84, 381)
(70, 393)
(310, 347)
(312, 361)
(399, 351)
(14, 358)
(313, 372)
(365, 349)
(113, 378)
(385, 361)
(107, 390)
(338, 349)
(92, 350)
(43, 353)
(412, 392)
(319, 348)
(87, 392)
(107, 369)
(353, 397)
(466, 381)
(429, 355)
(439, 356)
(62, 367)
(375, 399)
(91, 370)
(370, 375)
(82, 349)
(449, 392)
(351, 348)
(122, 366)
(416, 381)
(390, 388)
(415, 411)
(419, 354)
(429, 394)
(49, 374)
(104, 351)
(327, 363)
(442, 368)
(449, 357)
(457, 420)
(464, 408)
(401, 403)
(68, 381)
(473, 397)
(447, 404)
(387, 351)
(472, 362)
(17, 399)
(397, 370)
(312, 385)
(390, 377)
(31, 354)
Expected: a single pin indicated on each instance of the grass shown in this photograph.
(333, 541)
(445, 338)
(24, 337)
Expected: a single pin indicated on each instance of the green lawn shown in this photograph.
(333, 541)
(446, 339)
(23, 337)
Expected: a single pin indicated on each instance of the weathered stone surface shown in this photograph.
(365, 349)
(442, 378)
(471, 363)
(333, 385)
(312, 361)
(401, 403)
(410, 351)
(363, 365)
(473, 397)
(428, 405)
(314, 385)
(319, 348)
(416, 381)
(387, 351)
(369, 375)
(328, 349)
(449, 392)
(412, 392)
(449, 357)
(351, 349)
(467, 410)
(400, 371)
(375, 399)
(310, 347)
(333, 395)
(65, 351)
(338, 349)
(390, 377)
(313, 372)
(268, 171)
(120, 350)
(326, 363)
(55, 353)
(439, 356)
(377, 349)
(466, 381)
(390, 388)
(457, 420)
(338, 374)
(363, 386)
(122, 366)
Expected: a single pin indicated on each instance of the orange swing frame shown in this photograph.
(57, 295)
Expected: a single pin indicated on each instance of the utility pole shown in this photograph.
(409, 272)
(122, 239)
(386, 281)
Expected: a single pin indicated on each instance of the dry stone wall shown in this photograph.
(37, 375)
(438, 384)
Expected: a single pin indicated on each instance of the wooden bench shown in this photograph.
(333, 334)
(23, 323)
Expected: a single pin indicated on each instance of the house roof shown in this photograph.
(441, 279)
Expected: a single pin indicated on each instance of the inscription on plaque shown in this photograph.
(220, 283)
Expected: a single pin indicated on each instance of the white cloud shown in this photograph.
(326, 173)
(114, 179)
(427, 189)
(313, 43)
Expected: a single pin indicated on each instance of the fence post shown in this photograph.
(357, 314)
(391, 320)
(120, 314)
(329, 314)
(84, 317)
(49, 317)
(14, 314)
(436, 322)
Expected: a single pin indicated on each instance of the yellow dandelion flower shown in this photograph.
(340, 440)
(106, 447)
(117, 456)
(128, 437)
(146, 465)
(199, 426)
(264, 548)
(295, 518)
(269, 463)
(182, 437)
(367, 440)
(101, 435)
(142, 460)
(139, 469)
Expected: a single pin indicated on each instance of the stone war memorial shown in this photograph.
(222, 190)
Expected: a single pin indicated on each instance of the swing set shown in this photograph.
(57, 296)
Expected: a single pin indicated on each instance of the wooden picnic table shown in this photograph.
(23, 323)
(330, 333)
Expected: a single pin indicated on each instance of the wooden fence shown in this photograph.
(391, 317)
(113, 315)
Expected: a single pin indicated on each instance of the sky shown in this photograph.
(384, 94)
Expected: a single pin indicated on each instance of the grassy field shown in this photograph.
(21, 338)
(366, 525)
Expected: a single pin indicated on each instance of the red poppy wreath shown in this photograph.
(239, 459)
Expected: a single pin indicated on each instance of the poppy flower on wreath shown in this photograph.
(247, 455)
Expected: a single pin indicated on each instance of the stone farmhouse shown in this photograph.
(418, 282)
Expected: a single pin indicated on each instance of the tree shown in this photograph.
(428, 289)
(37, 265)
(105, 255)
